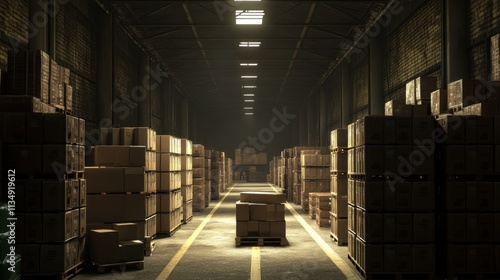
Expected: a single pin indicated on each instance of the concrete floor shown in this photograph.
(213, 255)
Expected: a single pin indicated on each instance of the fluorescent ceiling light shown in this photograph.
(249, 114)
(249, 77)
(253, 17)
(248, 100)
(248, 86)
(248, 108)
(249, 64)
(246, 0)
(249, 44)
(248, 94)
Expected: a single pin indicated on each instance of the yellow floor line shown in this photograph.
(178, 256)
(334, 257)
(255, 264)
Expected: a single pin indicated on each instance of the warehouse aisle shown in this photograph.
(210, 253)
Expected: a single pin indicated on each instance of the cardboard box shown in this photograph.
(55, 258)
(126, 231)
(423, 227)
(58, 129)
(404, 227)
(56, 195)
(57, 227)
(404, 131)
(58, 159)
(455, 227)
(439, 103)
(141, 137)
(242, 211)
(424, 86)
(34, 227)
(458, 91)
(373, 257)
(253, 228)
(410, 93)
(485, 160)
(138, 157)
(104, 208)
(277, 229)
(258, 212)
(454, 195)
(423, 196)
(34, 128)
(264, 228)
(372, 130)
(111, 156)
(241, 229)
(338, 138)
(262, 197)
(130, 251)
(454, 127)
(424, 258)
(105, 180)
(456, 258)
(134, 179)
(480, 196)
(15, 128)
(403, 197)
(453, 158)
(371, 226)
(397, 108)
(372, 195)
(134, 207)
(497, 159)
(103, 246)
(423, 127)
(186, 162)
(126, 136)
(30, 258)
(186, 147)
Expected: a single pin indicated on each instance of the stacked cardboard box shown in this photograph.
(169, 198)
(319, 208)
(118, 244)
(45, 153)
(338, 185)
(198, 177)
(229, 173)
(208, 177)
(249, 156)
(418, 91)
(260, 215)
(495, 57)
(217, 169)
(122, 184)
(187, 180)
(315, 174)
(223, 171)
(391, 210)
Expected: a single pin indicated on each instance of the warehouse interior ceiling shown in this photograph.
(219, 64)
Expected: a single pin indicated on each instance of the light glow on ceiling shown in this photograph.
(249, 77)
(249, 17)
(249, 94)
(249, 114)
(250, 44)
(249, 100)
(249, 64)
(248, 108)
(248, 86)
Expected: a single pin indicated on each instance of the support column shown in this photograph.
(145, 82)
(104, 68)
(38, 18)
(303, 127)
(323, 128)
(456, 38)
(166, 95)
(346, 94)
(376, 94)
(185, 118)
(312, 120)
(192, 125)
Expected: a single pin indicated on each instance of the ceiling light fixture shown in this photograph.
(248, 94)
(249, 64)
(249, 17)
(250, 44)
(249, 114)
(248, 86)
(248, 108)
(249, 77)
(249, 100)
(246, 0)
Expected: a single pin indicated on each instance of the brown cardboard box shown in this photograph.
(373, 160)
(129, 251)
(423, 196)
(134, 179)
(258, 212)
(141, 137)
(455, 227)
(372, 195)
(104, 208)
(390, 258)
(390, 196)
(33, 227)
(439, 103)
(373, 257)
(279, 214)
(338, 138)
(423, 227)
(187, 192)
(480, 196)
(393, 107)
(424, 258)
(112, 156)
(126, 136)
(30, 258)
(372, 228)
(264, 228)
(55, 258)
(372, 130)
(404, 130)
(82, 221)
(453, 158)
(454, 194)
(57, 227)
(134, 207)
(404, 258)
(456, 256)
(262, 197)
(58, 129)
(186, 162)
(14, 128)
(472, 259)
(339, 185)
(186, 147)
(241, 229)
(103, 246)
(389, 227)
(126, 231)
(277, 228)
(75, 223)
(454, 127)
(481, 227)
(410, 93)
(138, 156)
(253, 228)
(459, 91)
(497, 159)
(404, 227)
(105, 180)
(34, 128)
(24, 158)
(403, 197)
(423, 127)
(424, 86)
(75, 193)
(422, 109)
(242, 211)
(485, 160)
(32, 195)
(56, 195)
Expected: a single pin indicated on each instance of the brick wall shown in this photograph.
(360, 78)
(13, 27)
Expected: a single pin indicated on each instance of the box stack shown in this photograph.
(260, 219)
(198, 178)
(289, 174)
(272, 175)
(169, 198)
(208, 177)
(187, 180)
(391, 195)
(223, 172)
(118, 245)
(296, 183)
(474, 97)
(319, 208)
(495, 57)
(418, 91)
(34, 74)
(249, 156)
(216, 175)
(44, 154)
(229, 173)
(338, 185)
(122, 184)
(315, 174)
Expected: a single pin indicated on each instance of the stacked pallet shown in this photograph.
(187, 180)
(338, 185)
(319, 208)
(296, 179)
(44, 154)
(169, 198)
(198, 178)
(315, 174)
(216, 174)
(222, 160)
(122, 184)
(391, 196)
(208, 177)
(229, 173)
(260, 219)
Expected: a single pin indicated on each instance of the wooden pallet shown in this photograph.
(149, 246)
(187, 220)
(70, 273)
(170, 233)
(137, 265)
(261, 241)
(335, 239)
(391, 276)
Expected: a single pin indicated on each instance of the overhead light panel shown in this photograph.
(249, 77)
(246, 0)
(249, 100)
(248, 94)
(248, 108)
(249, 44)
(248, 86)
(248, 114)
(249, 17)
(249, 64)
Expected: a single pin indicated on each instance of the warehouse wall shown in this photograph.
(13, 28)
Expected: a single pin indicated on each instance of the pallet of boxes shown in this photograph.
(338, 185)
(169, 198)
(208, 177)
(187, 180)
(121, 197)
(260, 219)
(315, 174)
(43, 163)
(198, 178)
(216, 174)
(319, 208)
